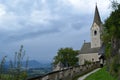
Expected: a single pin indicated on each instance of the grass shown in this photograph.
(6, 77)
(102, 74)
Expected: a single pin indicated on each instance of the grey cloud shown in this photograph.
(20, 7)
(19, 36)
(78, 21)
(70, 28)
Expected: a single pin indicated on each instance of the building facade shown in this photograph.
(90, 50)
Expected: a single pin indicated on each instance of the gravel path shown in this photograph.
(83, 77)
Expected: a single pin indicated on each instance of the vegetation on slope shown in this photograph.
(102, 74)
(111, 39)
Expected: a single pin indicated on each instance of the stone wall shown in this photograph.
(69, 73)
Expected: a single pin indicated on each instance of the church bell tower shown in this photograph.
(96, 30)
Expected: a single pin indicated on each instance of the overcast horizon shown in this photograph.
(44, 26)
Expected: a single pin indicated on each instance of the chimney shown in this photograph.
(84, 41)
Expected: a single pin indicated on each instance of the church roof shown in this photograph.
(86, 49)
(97, 18)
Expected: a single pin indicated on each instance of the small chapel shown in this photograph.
(92, 51)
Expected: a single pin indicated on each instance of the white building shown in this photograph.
(90, 50)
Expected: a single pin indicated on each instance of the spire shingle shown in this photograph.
(97, 19)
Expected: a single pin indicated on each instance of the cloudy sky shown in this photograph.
(44, 26)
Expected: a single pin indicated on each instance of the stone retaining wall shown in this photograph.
(69, 73)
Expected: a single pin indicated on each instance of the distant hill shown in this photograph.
(37, 64)
(33, 64)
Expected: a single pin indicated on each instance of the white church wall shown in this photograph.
(95, 37)
(93, 57)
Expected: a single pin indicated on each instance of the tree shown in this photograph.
(16, 70)
(2, 66)
(111, 38)
(67, 56)
(16, 67)
(111, 35)
(112, 23)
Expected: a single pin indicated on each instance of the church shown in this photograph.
(92, 51)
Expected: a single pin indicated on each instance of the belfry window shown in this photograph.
(95, 32)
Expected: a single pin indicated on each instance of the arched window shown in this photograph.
(95, 32)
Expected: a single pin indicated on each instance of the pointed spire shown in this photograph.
(97, 19)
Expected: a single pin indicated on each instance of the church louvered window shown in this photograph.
(95, 32)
